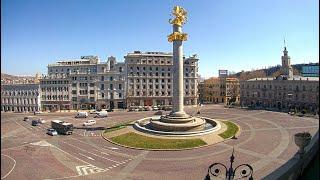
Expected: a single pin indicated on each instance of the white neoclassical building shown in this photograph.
(20, 97)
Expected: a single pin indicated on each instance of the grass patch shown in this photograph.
(232, 129)
(136, 140)
(119, 126)
(114, 128)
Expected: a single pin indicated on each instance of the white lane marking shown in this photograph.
(79, 170)
(11, 168)
(86, 156)
(114, 148)
(104, 153)
(41, 143)
(90, 152)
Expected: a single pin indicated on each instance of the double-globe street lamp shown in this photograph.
(215, 169)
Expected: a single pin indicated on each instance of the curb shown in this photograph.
(136, 148)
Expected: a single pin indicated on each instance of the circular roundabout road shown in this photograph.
(265, 142)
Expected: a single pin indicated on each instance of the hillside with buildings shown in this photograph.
(270, 72)
(13, 79)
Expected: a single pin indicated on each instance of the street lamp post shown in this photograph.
(215, 170)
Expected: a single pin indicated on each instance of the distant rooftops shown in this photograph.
(294, 78)
(84, 60)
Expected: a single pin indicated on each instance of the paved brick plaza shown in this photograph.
(266, 142)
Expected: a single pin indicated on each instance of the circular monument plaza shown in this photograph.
(265, 141)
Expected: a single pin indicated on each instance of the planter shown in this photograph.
(302, 140)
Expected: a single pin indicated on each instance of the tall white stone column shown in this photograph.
(177, 99)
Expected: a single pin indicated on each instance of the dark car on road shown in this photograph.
(34, 122)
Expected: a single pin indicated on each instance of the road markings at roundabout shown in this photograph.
(11, 168)
(88, 169)
(86, 156)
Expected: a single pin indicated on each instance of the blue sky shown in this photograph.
(235, 34)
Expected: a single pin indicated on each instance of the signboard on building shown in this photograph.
(310, 71)
(223, 73)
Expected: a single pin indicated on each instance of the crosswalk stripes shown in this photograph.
(88, 169)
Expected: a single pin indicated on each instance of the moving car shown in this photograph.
(34, 123)
(52, 132)
(89, 123)
(82, 115)
(27, 118)
(37, 112)
(155, 108)
(101, 114)
(41, 121)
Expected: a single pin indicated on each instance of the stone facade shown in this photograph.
(111, 85)
(55, 92)
(91, 84)
(20, 97)
(281, 93)
(150, 79)
(220, 90)
(285, 92)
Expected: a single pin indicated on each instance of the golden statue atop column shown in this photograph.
(180, 19)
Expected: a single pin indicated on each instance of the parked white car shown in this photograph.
(82, 115)
(89, 123)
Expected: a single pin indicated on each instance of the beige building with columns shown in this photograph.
(150, 79)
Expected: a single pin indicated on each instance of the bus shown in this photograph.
(62, 127)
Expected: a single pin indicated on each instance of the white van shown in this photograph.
(101, 114)
(82, 115)
(89, 123)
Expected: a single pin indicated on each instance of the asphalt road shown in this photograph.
(27, 152)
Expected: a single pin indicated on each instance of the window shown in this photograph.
(111, 78)
(120, 86)
(111, 86)
(74, 98)
(91, 91)
(101, 86)
(102, 78)
(74, 92)
(120, 69)
(120, 95)
(91, 84)
(102, 95)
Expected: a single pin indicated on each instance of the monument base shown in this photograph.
(172, 123)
